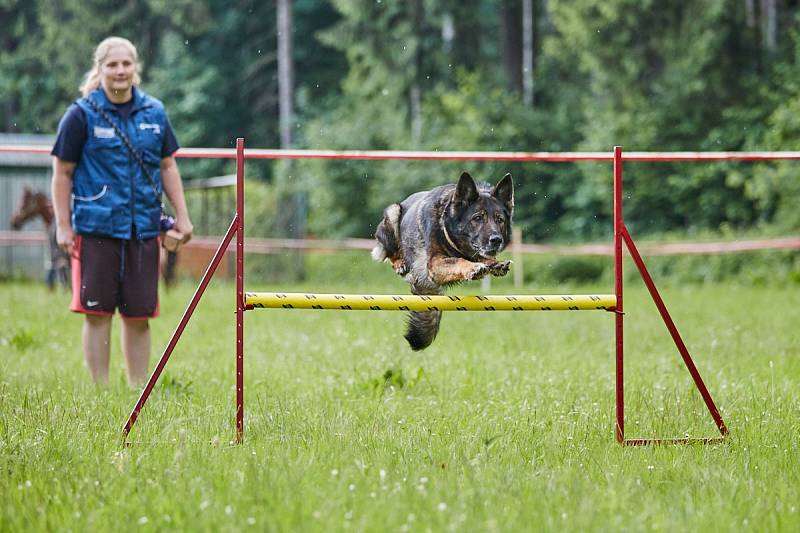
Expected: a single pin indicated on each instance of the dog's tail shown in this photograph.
(379, 253)
(422, 328)
(388, 234)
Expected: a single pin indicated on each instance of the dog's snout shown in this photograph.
(496, 241)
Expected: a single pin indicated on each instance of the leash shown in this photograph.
(131, 149)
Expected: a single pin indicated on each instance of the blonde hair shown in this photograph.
(91, 80)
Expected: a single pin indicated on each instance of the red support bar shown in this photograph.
(545, 157)
(384, 155)
(619, 315)
(187, 314)
(673, 331)
(240, 305)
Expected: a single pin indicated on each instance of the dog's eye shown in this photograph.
(500, 219)
(479, 217)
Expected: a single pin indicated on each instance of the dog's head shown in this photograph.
(478, 218)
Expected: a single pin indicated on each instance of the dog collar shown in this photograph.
(449, 240)
(444, 230)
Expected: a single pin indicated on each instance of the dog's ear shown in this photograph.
(466, 192)
(504, 191)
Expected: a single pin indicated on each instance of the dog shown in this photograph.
(445, 236)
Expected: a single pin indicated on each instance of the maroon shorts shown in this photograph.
(112, 273)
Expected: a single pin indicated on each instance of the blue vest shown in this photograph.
(112, 196)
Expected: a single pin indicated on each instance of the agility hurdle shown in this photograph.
(405, 302)
(608, 302)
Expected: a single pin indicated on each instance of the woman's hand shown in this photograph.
(65, 238)
(62, 194)
(184, 226)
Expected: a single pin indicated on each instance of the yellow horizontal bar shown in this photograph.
(393, 302)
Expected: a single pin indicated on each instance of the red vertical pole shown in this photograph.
(173, 341)
(240, 290)
(618, 227)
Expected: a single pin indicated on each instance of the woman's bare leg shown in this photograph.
(97, 346)
(136, 348)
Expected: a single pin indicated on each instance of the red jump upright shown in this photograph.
(237, 228)
(240, 290)
(621, 235)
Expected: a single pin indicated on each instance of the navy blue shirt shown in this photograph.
(71, 134)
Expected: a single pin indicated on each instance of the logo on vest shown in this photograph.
(103, 133)
(155, 127)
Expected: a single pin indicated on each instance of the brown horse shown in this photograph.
(37, 204)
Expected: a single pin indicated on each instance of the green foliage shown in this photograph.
(49, 47)
(172, 386)
(393, 379)
(646, 65)
(757, 269)
(272, 211)
(22, 340)
(775, 187)
(434, 75)
(751, 269)
(191, 101)
(621, 72)
(578, 269)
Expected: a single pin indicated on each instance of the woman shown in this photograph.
(112, 158)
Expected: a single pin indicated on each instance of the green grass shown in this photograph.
(505, 423)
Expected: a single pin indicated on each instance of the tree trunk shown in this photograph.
(293, 224)
(527, 51)
(415, 91)
(10, 113)
(512, 43)
(448, 31)
(466, 32)
(416, 114)
(285, 72)
(769, 24)
(750, 13)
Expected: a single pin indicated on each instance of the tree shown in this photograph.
(511, 35)
(285, 71)
(648, 65)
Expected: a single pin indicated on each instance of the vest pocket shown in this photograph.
(113, 144)
(93, 198)
(92, 219)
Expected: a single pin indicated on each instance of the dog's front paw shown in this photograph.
(500, 268)
(478, 271)
(400, 267)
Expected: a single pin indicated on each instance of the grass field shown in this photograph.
(504, 424)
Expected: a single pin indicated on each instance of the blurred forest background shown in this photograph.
(510, 75)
